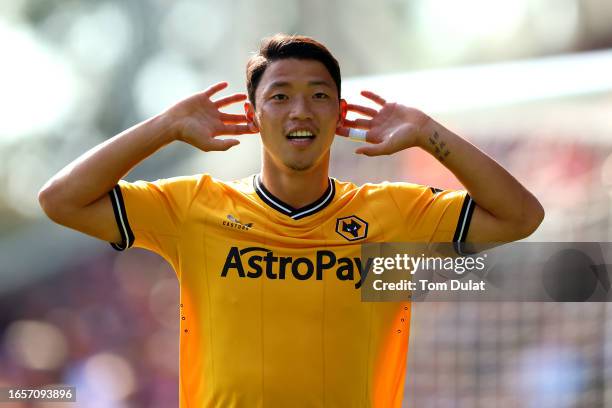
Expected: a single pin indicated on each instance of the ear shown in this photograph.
(343, 112)
(249, 112)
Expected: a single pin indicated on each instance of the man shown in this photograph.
(269, 266)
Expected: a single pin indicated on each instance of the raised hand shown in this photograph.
(198, 121)
(393, 128)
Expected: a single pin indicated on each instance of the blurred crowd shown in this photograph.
(107, 325)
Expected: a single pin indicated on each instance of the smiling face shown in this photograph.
(297, 113)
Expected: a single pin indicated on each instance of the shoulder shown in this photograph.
(203, 180)
(213, 188)
(178, 188)
(382, 188)
(403, 195)
(243, 185)
(169, 182)
(206, 181)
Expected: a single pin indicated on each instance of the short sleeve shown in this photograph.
(150, 214)
(434, 215)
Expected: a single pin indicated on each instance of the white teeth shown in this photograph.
(301, 133)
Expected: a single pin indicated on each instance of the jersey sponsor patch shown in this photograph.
(257, 262)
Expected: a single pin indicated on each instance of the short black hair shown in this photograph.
(282, 46)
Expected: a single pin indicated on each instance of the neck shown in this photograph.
(297, 188)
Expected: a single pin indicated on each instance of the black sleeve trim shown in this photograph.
(463, 224)
(127, 237)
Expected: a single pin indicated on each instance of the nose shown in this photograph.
(300, 109)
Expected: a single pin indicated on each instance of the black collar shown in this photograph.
(294, 213)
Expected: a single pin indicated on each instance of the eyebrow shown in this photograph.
(282, 84)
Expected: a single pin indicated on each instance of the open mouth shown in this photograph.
(301, 135)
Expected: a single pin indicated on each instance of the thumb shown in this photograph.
(223, 144)
(372, 149)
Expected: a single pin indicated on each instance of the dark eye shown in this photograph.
(279, 97)
(321, 95)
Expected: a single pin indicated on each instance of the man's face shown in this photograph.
(297, 112)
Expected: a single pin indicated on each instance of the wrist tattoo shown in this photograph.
(438, 146)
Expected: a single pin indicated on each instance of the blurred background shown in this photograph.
(527, 81)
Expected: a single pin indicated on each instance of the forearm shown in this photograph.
(96, 172)
(492, 187)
